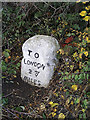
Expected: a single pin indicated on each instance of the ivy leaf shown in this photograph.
(69, 34)
(85, 102)
(80, 81)
(76, 27)
(4, 68)
(18, 64)
(76, 77)
(44, 116)
(6, 54)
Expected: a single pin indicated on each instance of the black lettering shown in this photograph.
(31, 80)
(28, 62)
(40, 66)
(39, 83)
(25, 77)
(43, 66)
(35, 64)
(31, 62)
(36, 73)
(35, 81)
(24, 61)
(36, 55)
(30, 71)
(29, 52)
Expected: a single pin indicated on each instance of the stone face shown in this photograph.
(39, 60)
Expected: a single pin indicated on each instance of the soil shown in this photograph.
(21, 93)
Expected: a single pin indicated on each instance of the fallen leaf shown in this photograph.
(75, 87)
(54, 104)
(61, 116)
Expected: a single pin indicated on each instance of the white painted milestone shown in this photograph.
(39, 60)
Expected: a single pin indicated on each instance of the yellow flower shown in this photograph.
(86, 28)
(53, 114)
(85, 2)
(86, 18)
(75, 54)
(86, 8)
(61, 116)
(14, 76)
(88, 41)
(74, 87)
(80, 55)
(58, 18)
(62, 96)
(72, 102)
(57, 51)
(78, 1)
(50, 103)
(53, 31)
(80, 65)
(77, 71)
(83, 110)
(86, 53)
(55, 110)
(82, 49)
(83, 13)
(61, 51)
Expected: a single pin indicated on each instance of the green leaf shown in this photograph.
(78, 100)
(76, 77)
(3, 76)
(2, 62)
(62, 73)
(80, 115)
(19, 109)
(81, 76)
(67, 93)
(72, 75)
(88, 93)
(75, 26)
(4, 68)
(85, 102)
(44, 116)
(14, 72)
(84, 115)
(87, 76)
(69, 77)
(73, 34)
(6, 54)
(69, 34)
(80, 81)
(7, 50)
(5, 101)
(18, 64)
(66, 73)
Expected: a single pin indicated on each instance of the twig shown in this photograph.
(80, 99)
(6, 109)
(26, 113)
(9, 94)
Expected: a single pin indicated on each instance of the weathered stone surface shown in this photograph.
(39, 60)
